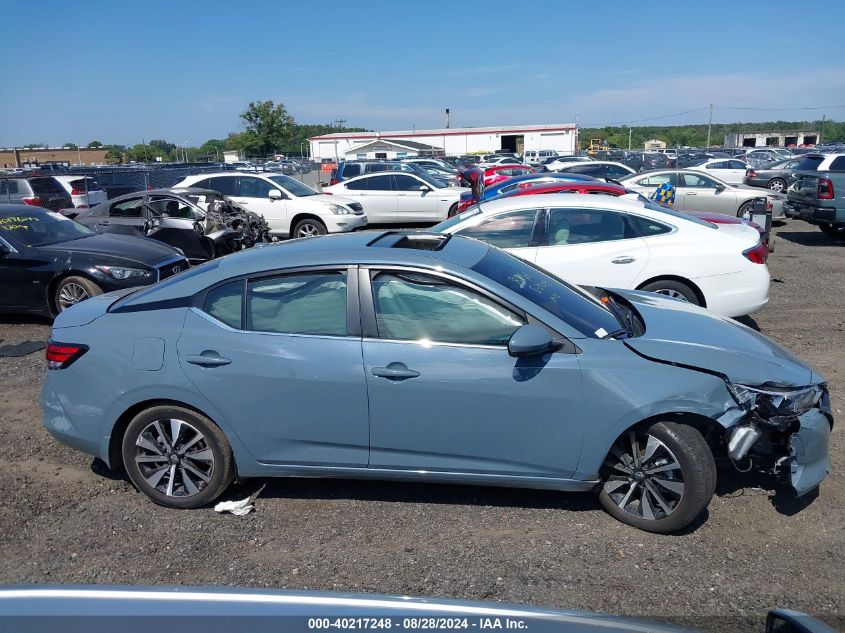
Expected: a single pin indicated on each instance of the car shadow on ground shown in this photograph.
(24, 319)
(809, 238)
(747, 320)
(733, 483)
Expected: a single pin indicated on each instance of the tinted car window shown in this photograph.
(225, 303)
(838, 164)
(507, 230)
(809, 163)
(305, 303)
(568, 303)
(46, 185)
(590, 170)
(39, 228)
(227, 185)
(615, 171)
(401, 182)
(413, 307)
(255, 188)
(350, 171)
(735, 164)
(647, 227)
(373, 183)
(581, 226)
(131, 208)
(201, 184)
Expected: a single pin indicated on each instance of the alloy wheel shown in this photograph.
(174, 458)
(671, 292)
(643, 477)
(776, 185)
(308, 230)
(71, 294)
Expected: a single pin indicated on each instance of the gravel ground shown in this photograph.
(63, 519)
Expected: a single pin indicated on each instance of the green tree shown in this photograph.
(212, 148)
(94, 144)
(269, 126)
(115, 153)
(70, 146)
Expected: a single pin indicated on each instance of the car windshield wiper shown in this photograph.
(618, 333)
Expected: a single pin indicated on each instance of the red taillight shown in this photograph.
(759, 254)
(750, 173)
(825, 190)
(61, 355)
(34, 201)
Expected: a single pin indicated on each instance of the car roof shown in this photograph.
(671, 170)
(560, 200)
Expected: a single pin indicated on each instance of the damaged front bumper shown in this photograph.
(794, 448)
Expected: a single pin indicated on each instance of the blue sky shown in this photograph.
(182, 70)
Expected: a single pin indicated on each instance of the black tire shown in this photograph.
(777, 184)
(309, 227)
(220, 473)
(745, 207)
(79, 288)
(673, 288)
(835, 231)
(453, 210)
(697, 478)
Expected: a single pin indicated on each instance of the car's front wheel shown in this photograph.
(658, 479)
(309, 228)
(71, 290)
(177, 457)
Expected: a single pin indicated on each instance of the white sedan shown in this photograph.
(623, 243)
(389, 197)
(291, 208)
(730, 170)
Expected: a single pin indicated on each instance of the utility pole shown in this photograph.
(339, 122)
(79, 154)
(821, 131)
(576, 147)
(629, 138)
(709, 125)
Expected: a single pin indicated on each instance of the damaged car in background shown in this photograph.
(201, 223)
(447, 360)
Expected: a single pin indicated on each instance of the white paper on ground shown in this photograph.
(239, 508)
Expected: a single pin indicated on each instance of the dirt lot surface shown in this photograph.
(63, 519)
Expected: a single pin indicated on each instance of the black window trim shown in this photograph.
(367, 311)
(353, 320)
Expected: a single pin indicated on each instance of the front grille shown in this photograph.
(172, 268)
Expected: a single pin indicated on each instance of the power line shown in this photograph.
(781, 108)
(655, 118)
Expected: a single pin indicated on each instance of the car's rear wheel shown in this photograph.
(71, 290)
(675, 289)
(777, 184)
(309, 227)
(177, 457)
(659, 479)
(836, 231)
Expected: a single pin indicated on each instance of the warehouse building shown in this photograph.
(444, 141)
(790, 138)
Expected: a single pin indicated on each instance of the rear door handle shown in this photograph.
(208, 359)
(690, 193)
(395, 371)
(625, 259)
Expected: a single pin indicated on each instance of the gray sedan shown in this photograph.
(774, 177)
(697, 191)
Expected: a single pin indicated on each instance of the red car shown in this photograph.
(498, 173)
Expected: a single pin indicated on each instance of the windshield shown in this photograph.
(294, 187)
(25, 229)
(567, 302)
(650, 204)
(434, 182)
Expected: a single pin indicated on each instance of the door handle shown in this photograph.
(208, 359)
(401, 194)
(394, 371)
(690, 193)
(625, 259)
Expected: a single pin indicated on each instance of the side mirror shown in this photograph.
(530, 340)
(720, 188)
(425, 188)
(275, 194)
(789, 621)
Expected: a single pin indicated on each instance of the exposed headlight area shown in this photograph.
(339, 210)
(120, 272)
(778, 406)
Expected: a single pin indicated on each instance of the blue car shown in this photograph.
(426, 357)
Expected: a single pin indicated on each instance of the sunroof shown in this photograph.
(416, 241)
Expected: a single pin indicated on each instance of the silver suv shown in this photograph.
(38, 191)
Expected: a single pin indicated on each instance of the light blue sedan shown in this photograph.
(426, 357)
